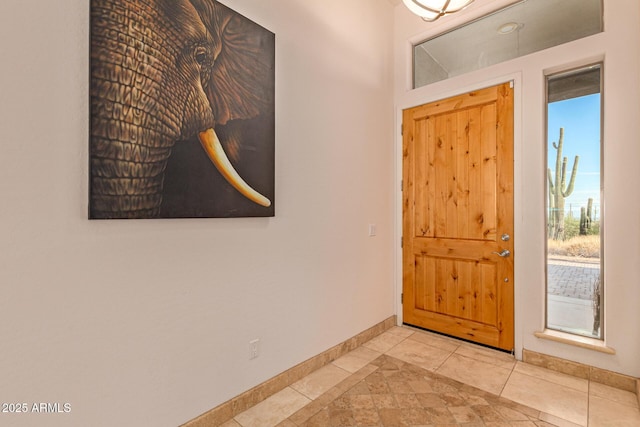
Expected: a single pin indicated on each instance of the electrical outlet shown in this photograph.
(372, 230)
(254, 348)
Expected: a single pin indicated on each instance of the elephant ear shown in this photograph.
(241, 83)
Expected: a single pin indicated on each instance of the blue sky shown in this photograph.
(580, 118)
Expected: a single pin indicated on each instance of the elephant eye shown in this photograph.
(201, 55)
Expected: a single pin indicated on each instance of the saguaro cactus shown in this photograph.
(585, 217)
(559, 190)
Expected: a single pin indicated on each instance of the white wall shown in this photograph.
(618, 46)
(148, 322)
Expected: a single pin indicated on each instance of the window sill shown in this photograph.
(576, 340)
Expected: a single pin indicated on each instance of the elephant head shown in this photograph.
(163, 71)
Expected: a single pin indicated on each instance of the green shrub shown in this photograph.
(572, 228)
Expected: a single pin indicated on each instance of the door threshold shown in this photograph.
(512, 352)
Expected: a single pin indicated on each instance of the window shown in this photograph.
(517, 30)
(574, 202)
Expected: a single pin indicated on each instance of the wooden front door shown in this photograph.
(458, 216)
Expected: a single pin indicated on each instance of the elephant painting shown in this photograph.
(182, 111)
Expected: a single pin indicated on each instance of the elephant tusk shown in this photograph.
(212, 146)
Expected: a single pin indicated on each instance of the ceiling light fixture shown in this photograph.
(430, 10)
(507, 28)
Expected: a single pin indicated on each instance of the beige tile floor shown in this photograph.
(408, 377)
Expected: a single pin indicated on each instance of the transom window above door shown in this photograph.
(520, 29)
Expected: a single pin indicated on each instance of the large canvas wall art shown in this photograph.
(181, 111)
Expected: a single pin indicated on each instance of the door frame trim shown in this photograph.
(447, 89)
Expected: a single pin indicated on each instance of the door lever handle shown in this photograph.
(505, 253)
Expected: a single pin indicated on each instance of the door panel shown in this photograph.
(457, 202)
